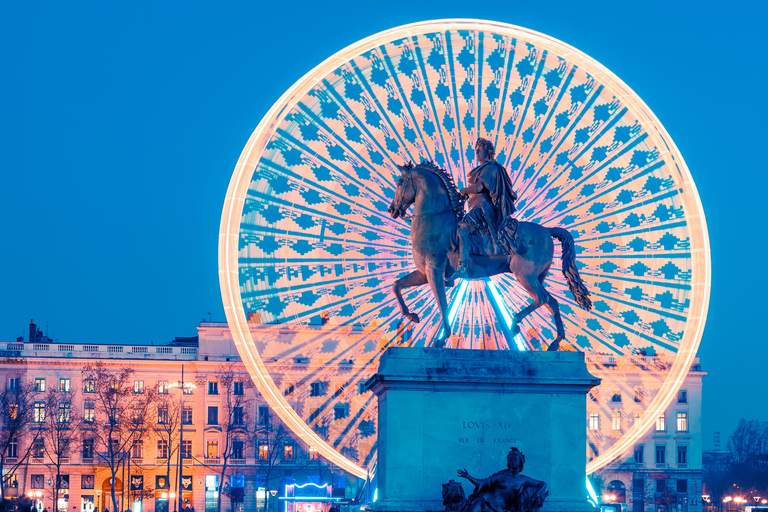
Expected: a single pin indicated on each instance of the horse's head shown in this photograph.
(405, 194)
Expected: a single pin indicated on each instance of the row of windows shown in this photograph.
(661, 454)
(163, 387)
(682, 396)
(137, 451)
(89, 386)
(661, 421)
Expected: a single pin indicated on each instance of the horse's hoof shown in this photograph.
(450, 283)
(554, 346)
(413, 317)
(515, 329)
(439, 344)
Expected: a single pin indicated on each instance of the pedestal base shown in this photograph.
(443, 409)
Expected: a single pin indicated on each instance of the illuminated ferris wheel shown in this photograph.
(306, 239)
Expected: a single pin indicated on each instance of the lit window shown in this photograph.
(212, 450)
(162, 415)
(682, 422)
(313, 455)
(89, 412)
(263, 450)
(65, 385)
(186, 449)
(238, 388)
(12, 480)
(89, 386)
(682, 455)
(64, 412)
(39, 412)
(661, 454)
(13, 411)
(639, 456)
(288, 451)
(162, 449)
(213, 388)
(138, 386)
(682, 396)
(40, 385)
(661, 423)
(616, 420)
(188, 389)
(162, 387)
(594, 422)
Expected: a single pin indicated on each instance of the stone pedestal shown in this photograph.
(445, 409)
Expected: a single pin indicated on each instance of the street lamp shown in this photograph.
(185, 385)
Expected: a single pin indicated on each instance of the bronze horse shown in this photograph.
(438, 207)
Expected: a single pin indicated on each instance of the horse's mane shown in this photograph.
(457, 201)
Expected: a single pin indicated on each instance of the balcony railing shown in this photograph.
(212, 461)
(237, 462)
(99, 351)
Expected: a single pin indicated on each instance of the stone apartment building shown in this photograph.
(663, 471)
(44, 363)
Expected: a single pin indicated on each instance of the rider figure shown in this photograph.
(491, 201)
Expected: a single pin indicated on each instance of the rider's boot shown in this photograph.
(462, 271)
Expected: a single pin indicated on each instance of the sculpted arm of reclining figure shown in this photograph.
(464, 474)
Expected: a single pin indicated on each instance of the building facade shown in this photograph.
(663, 471)
(264, 463)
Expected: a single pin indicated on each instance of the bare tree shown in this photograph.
(17, 408)
(748, 446)
(168, 425)
(60, 434)
(233, 422)
(270, 452)
(122, 417)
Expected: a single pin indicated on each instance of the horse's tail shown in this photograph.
(571, 273)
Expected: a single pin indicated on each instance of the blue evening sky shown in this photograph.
(121, 122)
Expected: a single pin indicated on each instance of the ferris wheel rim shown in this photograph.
(244, 169)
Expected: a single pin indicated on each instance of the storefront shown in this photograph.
(211, 492)
(162, 494)
(307, 497)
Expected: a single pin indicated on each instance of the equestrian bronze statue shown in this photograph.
(448, 244)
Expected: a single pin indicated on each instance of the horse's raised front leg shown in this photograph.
(415, 278)
(437, 283)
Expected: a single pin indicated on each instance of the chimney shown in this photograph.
(32, 331)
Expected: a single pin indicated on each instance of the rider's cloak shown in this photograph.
(496, 180)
